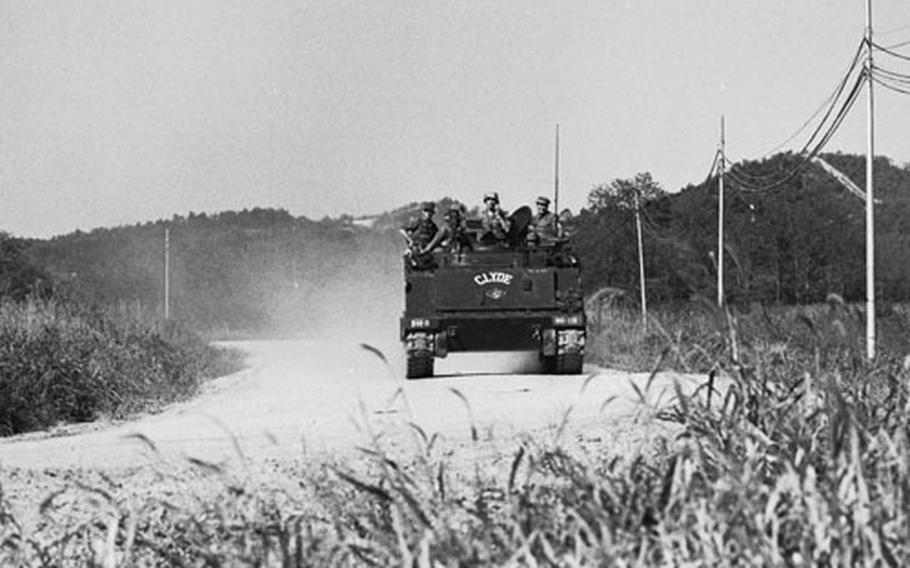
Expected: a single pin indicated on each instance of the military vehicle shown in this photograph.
(514, 294)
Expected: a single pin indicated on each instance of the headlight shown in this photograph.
(575, 319)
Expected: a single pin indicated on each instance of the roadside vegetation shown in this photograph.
(803, 460)
(697, 335)
(66, 357)
(63, 361)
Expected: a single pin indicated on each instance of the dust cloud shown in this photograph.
(357, 297)
(352, 296)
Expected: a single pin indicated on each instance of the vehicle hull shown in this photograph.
(498, 300)
(491, 332)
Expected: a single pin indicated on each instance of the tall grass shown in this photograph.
(698, 336)
(803, 460)
(64, 361)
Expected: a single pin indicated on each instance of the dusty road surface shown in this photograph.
(299, 398)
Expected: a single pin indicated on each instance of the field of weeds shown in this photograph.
(63, 362)
(699, 337)
(804, 460)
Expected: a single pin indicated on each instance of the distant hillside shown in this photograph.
(264, 269)
(398, 217)
(253, 270)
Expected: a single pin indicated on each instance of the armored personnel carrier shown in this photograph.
(506, 295)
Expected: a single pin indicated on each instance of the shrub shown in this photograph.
(63, 361)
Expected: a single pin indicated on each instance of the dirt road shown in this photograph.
(300, 397)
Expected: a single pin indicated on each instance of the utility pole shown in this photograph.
(641, 259)
(167, 273)
(720, 216)
(870, 202)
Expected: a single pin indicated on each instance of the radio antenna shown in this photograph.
(556, 177)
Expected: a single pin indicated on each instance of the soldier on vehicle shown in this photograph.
(545, 225)
(495, 222)
(421, 231)
(453, 235)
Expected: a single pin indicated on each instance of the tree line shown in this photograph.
(792, 243)
(250, 270)
(265, 269)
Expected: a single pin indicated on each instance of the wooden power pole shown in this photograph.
(720, 216)
(870, 200)
(641, 259)
(167, 272)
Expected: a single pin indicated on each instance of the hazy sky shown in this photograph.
(119, 111)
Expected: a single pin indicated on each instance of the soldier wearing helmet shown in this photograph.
(420, 231)
(495, 222)
(452, 236)
(545, 226)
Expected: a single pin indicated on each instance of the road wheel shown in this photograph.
(420, 365)
(568, 364)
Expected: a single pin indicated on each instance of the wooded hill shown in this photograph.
(790, 242)
(253, 270)
(262, 269)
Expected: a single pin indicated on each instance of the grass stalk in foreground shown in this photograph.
(805, 460)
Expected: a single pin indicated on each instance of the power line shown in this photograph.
(838, 90)
(820, 136)
(811, 147)
(807, 153)
(845, 107)
(843, 114)
(902, 77)
(737, 170)
(713, 167)
(891, 87)
(655, 230)
(891, 52)
(895, 81)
